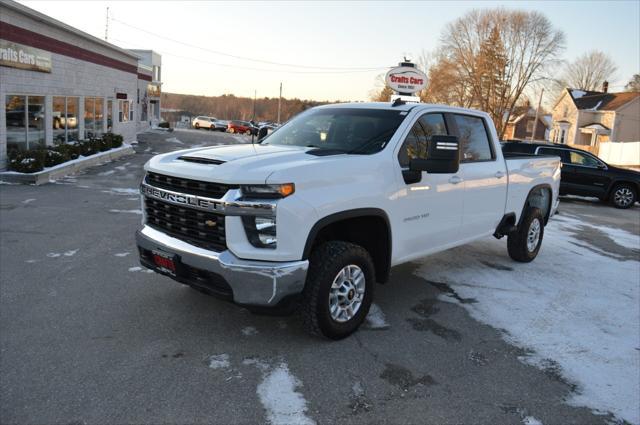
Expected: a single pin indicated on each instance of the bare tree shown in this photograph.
(589, 71)
(633, 84)
(491, 56)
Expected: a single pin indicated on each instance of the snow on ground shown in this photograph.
(122, 191)
(219, 361)
(28, 201)
(576, 307)
(174, 140)
(121, 254)
(376, 318)
(139, 212)
(249, 330)
(530, 420)
(278, 395)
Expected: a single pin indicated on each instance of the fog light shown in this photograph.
(261, 231)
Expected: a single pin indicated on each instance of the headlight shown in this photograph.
(261, 231)
(267, 191)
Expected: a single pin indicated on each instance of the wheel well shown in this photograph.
(372, 232)
(636, 186)
(539, 197)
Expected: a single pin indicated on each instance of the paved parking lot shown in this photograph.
(87, 336)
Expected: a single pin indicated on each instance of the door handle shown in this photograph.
(455, 180)
(499, 174)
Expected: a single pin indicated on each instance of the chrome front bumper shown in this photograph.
(256, 283)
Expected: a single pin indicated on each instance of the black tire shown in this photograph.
(197, 126)
(326, 261)
(623, 196)
(518, 241)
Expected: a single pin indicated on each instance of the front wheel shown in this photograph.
(623, 196)
(524, 243)
(338, 291)
(197, 126)
(231, 130)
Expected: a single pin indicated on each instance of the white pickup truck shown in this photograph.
(315, 213)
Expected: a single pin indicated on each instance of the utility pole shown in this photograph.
(279, 102)
(254, 105)
(535, 123)
(106, 27)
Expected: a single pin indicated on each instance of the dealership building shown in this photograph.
(59, 84)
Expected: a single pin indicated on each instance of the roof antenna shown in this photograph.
(398, 102)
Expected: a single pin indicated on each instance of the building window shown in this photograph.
(65, 119)
(530, 126)
(93, 116)
(562, 137)
(125, 111)
(110, 115)
(25, 121)
(156, 73)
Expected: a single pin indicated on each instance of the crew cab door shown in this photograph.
(428, 212)
(484, 173)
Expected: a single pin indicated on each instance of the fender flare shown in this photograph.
(533, 189)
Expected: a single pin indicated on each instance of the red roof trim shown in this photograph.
(144, 77)
(23, 36)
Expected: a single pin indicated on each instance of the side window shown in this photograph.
(415, 145)
(581, 159)
(564, 157)
(474, 141)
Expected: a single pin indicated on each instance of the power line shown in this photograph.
(165, 53)
(247, 58)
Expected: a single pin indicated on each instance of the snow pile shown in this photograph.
(577, 94)
(219, 361)
(278, 395)
(577, 306)
(376, 318)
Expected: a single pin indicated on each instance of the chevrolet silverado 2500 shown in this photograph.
(319, 210)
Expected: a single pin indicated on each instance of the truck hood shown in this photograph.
(233, 164)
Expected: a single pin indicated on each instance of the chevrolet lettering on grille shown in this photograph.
(182, 198)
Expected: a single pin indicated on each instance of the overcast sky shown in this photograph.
(328, 35)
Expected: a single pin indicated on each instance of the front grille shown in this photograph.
(200, 228)
(192, 187)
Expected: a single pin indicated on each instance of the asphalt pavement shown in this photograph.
(87, 336)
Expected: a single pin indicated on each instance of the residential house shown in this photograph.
(522, 123)
(587, 118)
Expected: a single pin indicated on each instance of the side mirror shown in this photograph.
(443, 156)
(601, 166)
(262, 133)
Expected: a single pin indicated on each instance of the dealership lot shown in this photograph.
(466, 336)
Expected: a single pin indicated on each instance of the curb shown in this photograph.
(66, 168)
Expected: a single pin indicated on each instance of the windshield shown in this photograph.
(355, 130)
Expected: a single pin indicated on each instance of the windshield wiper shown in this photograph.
(376, 138)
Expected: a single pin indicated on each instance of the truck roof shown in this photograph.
(401, 107)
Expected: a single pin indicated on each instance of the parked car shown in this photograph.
(242, 127)
(585, 174)
(317, 212)
(209, 123)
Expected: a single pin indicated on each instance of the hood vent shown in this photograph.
(201, 160)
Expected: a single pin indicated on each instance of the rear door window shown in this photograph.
(474, 139)
(563, 154)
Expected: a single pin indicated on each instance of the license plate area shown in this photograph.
(165, 262)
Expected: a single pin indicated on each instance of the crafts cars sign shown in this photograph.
(406, 79)
(16, 55)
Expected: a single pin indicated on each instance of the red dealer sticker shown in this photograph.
(405, 79)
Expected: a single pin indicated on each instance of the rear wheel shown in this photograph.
(623, 196)
(524, 243)
(338, 291)
(248, 133)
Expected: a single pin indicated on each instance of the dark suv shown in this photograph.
(585, 174)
